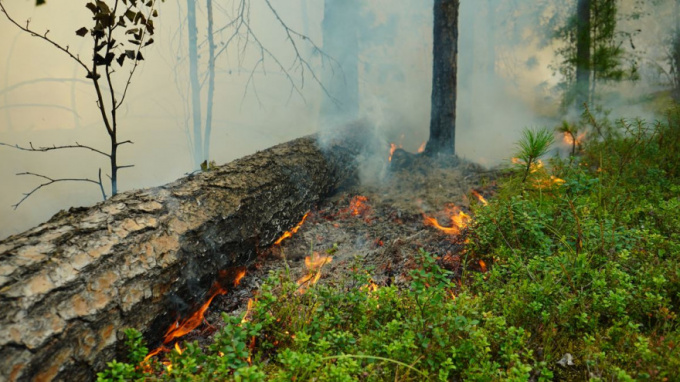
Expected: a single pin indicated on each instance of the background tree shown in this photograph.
(594, 51)
(674, 56)
(214, 44)
(113, 23)
(444, 67)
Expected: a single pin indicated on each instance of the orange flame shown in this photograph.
(393, 148)
(178, 349)
(314, 264)
(480, 197)
(547, 183)
(535, 166)
(370, 287)
(290, 233)
(482, 264)
(569, 139)
(246, 317)
(241, 273)
(421, 148)
(179, 329)
(459, 220)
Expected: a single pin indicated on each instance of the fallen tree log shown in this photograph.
(71, 285)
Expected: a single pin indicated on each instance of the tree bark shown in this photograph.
(69, 287)
(445, 56)
(583, 46)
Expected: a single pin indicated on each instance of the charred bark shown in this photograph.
(444, 74)
(69, 287)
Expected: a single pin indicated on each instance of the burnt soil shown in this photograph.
(381, 227)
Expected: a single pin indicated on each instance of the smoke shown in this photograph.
(505, 84)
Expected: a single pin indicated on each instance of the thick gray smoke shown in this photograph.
(378, 71)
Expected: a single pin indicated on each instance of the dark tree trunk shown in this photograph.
(144, 258)
(445, 55)
(675, 54)
(340, 78)
(583, 46)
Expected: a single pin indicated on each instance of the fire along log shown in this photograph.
(146, 258)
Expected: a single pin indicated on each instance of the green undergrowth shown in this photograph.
(583, 283)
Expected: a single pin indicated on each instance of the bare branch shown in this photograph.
(43, 36)
(51, 181)
(53, 147)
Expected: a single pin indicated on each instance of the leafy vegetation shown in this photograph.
(583, 284)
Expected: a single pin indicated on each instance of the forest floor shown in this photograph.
(381, 227)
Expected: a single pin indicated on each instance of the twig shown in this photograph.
(52, 181)
(43, 36)
(53, 147)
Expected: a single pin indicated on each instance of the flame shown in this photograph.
(480, 197)
(421, 148)
(535, 166)
(547, 183)
(154, 352)
(314, 264)
(246, 317)
(482, 264)
(241, 273)
(569, 139)
(459, 220)
(394, 147)
(290, 233)
(179, 329)
(370, 287)
(178, 349)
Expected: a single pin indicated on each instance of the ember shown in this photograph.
(482, 265)
(459, 220)
(290, 233)
(358, 206)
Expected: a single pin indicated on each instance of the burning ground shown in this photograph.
(423, 204)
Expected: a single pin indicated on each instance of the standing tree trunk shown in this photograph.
(195, 85)
(675, 54)
(211, 83)
(583, 45)
(445, 54)
(341, 42)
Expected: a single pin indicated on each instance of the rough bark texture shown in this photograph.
(583, 43)
(69, 287)
(445, 56)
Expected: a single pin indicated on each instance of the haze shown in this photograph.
(45, 99)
